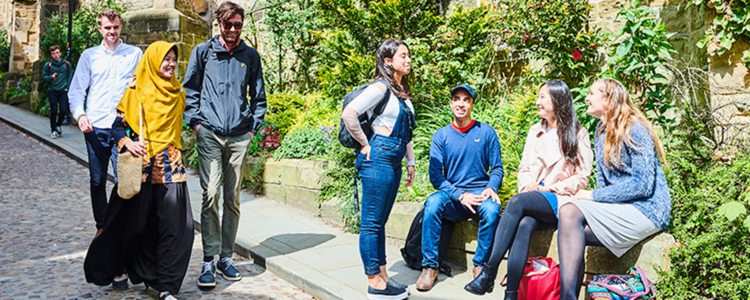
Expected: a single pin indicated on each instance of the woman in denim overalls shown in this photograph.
(379, 161)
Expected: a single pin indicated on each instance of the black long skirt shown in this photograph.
(149, 236)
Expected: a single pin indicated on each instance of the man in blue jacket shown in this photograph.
(467, 170)
(222, 73)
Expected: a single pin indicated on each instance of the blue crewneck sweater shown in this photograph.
(461, 161)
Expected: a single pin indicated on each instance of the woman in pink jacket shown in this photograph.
(556, 163)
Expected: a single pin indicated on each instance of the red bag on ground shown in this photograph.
(541, 280)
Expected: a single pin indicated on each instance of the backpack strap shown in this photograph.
(380, 107)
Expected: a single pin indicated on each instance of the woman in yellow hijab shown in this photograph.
(148, 238)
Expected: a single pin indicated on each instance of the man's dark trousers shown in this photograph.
(100, 153)
(57, 99)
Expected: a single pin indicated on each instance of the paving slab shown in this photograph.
(290, 243)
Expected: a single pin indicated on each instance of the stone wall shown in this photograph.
(24, 34)
(176, 21)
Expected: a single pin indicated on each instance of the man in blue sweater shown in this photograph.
(467, 170)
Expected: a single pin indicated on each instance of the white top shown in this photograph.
(106, 74)
(369, 98)
(383, 124)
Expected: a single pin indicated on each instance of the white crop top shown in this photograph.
(370, 97)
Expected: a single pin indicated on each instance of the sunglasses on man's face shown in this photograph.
(229, 25)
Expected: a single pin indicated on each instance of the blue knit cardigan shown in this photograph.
(639, 182)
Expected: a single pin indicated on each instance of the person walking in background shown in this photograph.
(466, 168)
(379, 159)
(631, 201)
(104, 71)
(57, 73)
(222, 73)
(556, 163)
(151, 234)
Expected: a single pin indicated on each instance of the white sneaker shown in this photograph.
(59, 130)
(54, 135)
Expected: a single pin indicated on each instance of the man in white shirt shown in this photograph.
(105, 71)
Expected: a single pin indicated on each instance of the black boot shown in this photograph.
(511, 295)
(484, 283)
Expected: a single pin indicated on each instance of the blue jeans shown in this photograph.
(380, 176)
(440, 206)
(100, 153)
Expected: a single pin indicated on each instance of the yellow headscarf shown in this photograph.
(163, 101)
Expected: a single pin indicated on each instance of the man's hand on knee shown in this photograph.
(490, 193)
(470, 200)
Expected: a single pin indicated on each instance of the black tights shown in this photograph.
(517, 224)
(572, 236)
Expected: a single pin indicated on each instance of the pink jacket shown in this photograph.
(543, 161)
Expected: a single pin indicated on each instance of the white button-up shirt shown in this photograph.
(105, 74)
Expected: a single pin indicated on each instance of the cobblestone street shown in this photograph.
(46, 226)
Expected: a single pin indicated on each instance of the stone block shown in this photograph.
(295, 172)
(187, 140)
(304, 199)
(649, 254)
(200, 6)
(465, 236)
(400, 219)
(329, 210)
(676, 18)
(608, 9)
(275, 191)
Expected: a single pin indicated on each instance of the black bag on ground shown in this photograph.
(365, 119)
(412, 251)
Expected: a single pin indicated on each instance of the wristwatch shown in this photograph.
(461, 197)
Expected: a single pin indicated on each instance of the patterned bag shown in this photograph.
(635, 285)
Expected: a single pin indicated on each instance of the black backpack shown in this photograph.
(365, 119)
(412, 251)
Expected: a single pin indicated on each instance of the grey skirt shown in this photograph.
(618, 227)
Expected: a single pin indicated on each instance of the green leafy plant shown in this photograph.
(4, 50)
(85, 34)
(23, 87)
(293, 44)
(639, 59)
(728, 27)
(304, 143)
(554, 31)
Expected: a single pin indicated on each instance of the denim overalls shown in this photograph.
(381, 176)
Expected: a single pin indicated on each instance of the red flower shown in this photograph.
(576, 55)
(526, 36)
(594, 45)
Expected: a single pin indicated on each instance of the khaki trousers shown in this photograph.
(220, 157)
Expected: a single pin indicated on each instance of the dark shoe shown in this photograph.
(427, 279)
(227, 269)
(511, 295)
(398, 285)
(165, 295)
(484, 283)
(389, 293)
(59, 130)
(120, 285)
(208, 275)
(476, 271)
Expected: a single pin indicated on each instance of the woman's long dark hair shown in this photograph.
(567, 121)
(382, 70)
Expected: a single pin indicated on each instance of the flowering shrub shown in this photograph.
(554, 31)
(265, 140)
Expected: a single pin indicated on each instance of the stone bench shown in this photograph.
(649, 254)
(297, 183)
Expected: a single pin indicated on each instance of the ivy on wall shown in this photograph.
(731, 24)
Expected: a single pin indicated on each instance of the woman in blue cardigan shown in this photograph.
(632, 200)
